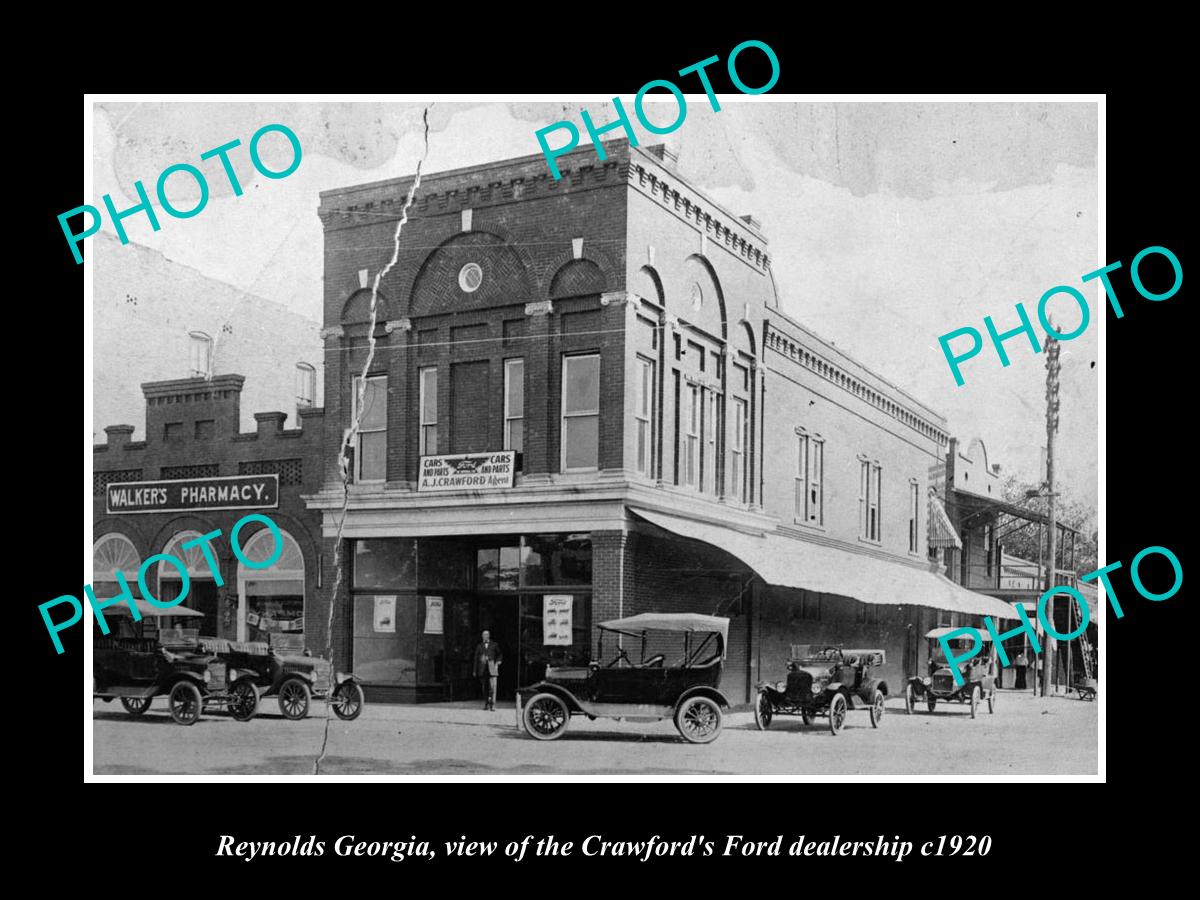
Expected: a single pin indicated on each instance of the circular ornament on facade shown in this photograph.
(470, 277)
(697, 296)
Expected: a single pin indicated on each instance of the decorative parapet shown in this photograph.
(790, 348)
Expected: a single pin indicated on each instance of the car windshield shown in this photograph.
(959, 646)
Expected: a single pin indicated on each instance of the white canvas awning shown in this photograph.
(790, 562)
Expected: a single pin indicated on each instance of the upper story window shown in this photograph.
(200, 354)
(514, 404)
(914, 515)
(691, 446)
(643, 414)
(470, 277)
(429, 411)
(810, 471)
(370, 456)
(306, 384)
(581, 413)
(709, 461)
(737, 451)
(870, 478)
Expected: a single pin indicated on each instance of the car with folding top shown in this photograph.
(290, 674)
(978, 673)
(824, 681)
(684, 687)
(135, 668)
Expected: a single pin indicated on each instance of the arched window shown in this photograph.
(271, 600)
(200, 354)
(203, 594)
(114, 553)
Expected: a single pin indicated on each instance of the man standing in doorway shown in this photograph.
(487, 667)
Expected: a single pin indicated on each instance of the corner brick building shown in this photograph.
(680, 443)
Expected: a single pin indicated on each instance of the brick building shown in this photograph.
(680, 443)
(193, 452)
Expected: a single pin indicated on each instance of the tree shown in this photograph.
(1070, 511)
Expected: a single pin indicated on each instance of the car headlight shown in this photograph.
(816, 688)
(207, 676)
(926, 680)
(781, 686)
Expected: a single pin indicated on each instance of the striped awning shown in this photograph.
(941, 529)
(793, 562)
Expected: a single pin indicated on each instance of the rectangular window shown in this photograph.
(914, 516)
(200, 354)
(691, 447)
(580, 413)
(514, 404)
(644, 416)
(709, 463)
(429, 412)
(306, 384)
(737, 453)
(370, 455)
(868, 499)
(810, 467)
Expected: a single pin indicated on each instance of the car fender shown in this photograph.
(574, 704)
(919, 687)
(869, 688)
(702, 690)
(189, 677)
(347, 678)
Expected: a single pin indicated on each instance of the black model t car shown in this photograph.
(136, 669)
(687, 690)
(978, 675)
(295, 678)
(824, 681)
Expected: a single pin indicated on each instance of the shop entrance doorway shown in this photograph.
(499, 615)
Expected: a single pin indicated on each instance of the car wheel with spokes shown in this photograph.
(135, 706)
(699, 719)
(877, 709)
(837, 713)
(348, 700)
(294, 697)
(243, 700)
(763, 712)
(186, 703)
(546, 717)
(974, 700)
(910, 699)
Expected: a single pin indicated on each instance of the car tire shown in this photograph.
(806, 716)
(243, 700)
(294, 698)
(135, 706)
(837, 713)
(992, 701)
(877, 709)
(348, 701)
(186, 703)
(763, 711)
(931, 703)
(545, 717)
(698, 719)
(975, 694)
(910, 699)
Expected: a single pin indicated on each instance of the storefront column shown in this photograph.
(609, 570)
(334, 423)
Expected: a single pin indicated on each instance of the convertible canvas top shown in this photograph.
(671, 622)
(149, 611)
(946, 629)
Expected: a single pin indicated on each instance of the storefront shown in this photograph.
(420, 604)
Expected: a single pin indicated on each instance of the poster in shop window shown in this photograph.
(433, 615)
(556, 618)
(385, 613)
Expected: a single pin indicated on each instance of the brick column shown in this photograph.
(335, 419)
(610, 570)
(400, 419)
(541, 409)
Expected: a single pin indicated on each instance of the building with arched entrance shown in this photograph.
(213, 474)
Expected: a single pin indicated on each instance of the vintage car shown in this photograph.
(824, 681)
(294, 677)
(978, 675)
(135, 669)
(687, 691)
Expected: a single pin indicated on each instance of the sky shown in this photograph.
(888, 224)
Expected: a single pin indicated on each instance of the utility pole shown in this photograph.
(1052, 370)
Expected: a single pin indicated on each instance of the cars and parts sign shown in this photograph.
(236, 492)
(468, 471)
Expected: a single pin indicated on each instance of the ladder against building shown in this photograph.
(1086, 646)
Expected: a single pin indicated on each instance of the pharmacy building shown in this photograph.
(579, 400)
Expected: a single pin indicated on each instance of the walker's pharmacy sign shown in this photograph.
(468, 471)
(236, 492)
